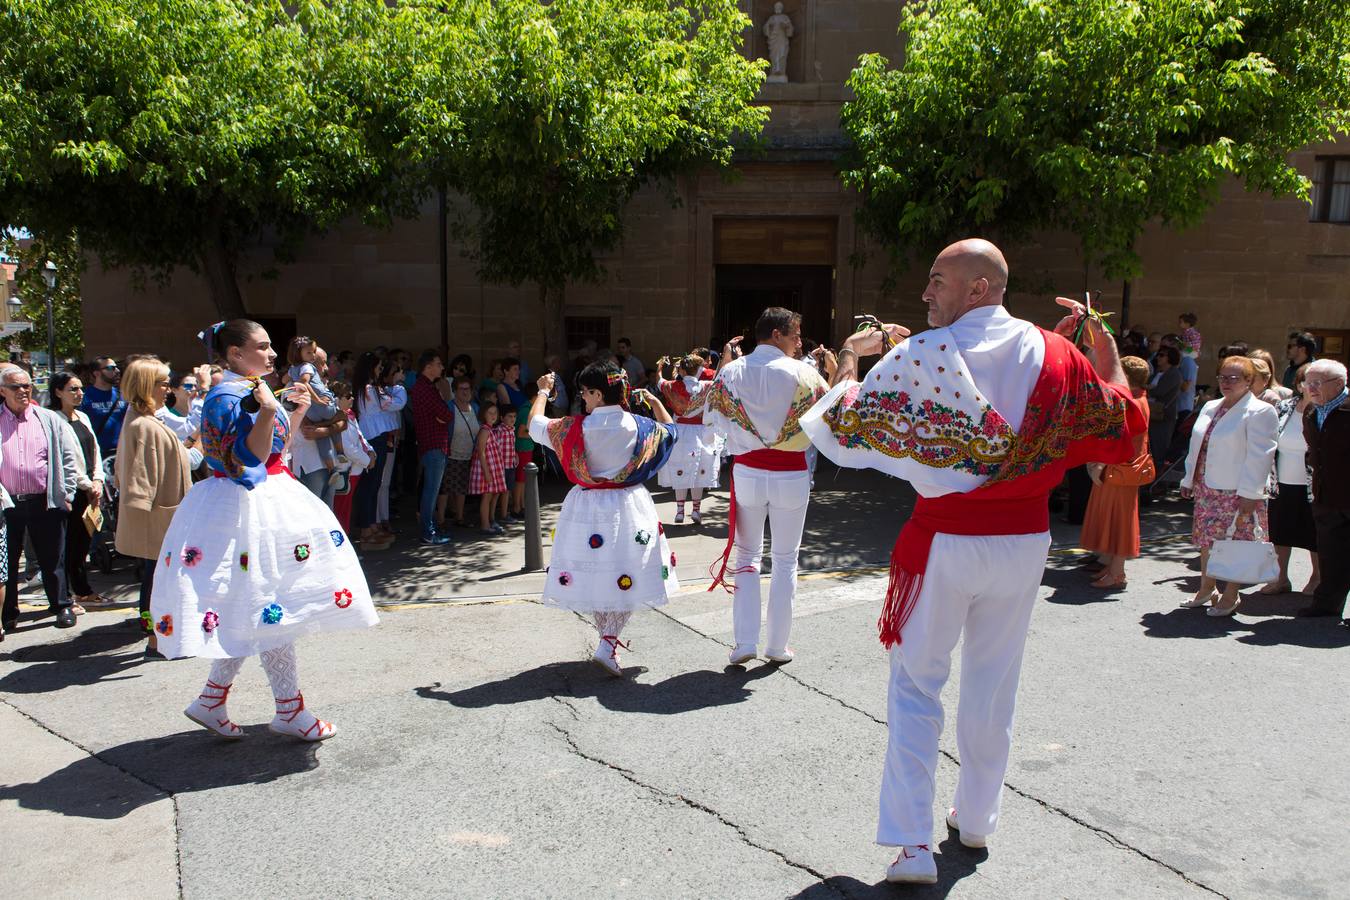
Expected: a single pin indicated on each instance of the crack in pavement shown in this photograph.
(740, 832)
(1106, 835)
(172, 797)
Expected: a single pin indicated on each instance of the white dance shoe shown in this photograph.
(742, 654)
(696, 517)
(786, 655)
(294, 720)
(607, 655)
(973, 841)
(208, 711)
(914, 865)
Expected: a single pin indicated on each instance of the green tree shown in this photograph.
(32, 256)
(1009, 116)
(176, 132)
(578, 104)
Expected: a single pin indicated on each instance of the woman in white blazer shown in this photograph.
(1232, 448)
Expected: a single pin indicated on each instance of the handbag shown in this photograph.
(1243, 562)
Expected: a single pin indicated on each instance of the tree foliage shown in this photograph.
(1008, 116)
(31, 256)
(174, 132)
(579, 104)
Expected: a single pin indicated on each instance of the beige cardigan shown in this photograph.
(152, 478)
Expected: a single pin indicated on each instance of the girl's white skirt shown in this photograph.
(610, 553)
(695, 460)
(242, 571)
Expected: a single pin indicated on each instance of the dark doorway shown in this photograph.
(281, 329)
(744, 291)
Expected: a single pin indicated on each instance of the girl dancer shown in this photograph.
(253, 560)
(610, 555)
(695, 464)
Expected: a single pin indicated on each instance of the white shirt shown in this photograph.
(463, 432)
(1002, 356)
(179, 425)
(1291, 452)
(767, 383)
(379, 412)
(611, 438)
(305, 453)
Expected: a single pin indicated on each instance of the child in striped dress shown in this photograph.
(485, 476)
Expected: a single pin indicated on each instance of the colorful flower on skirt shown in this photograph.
(643, 537)
(301, 552)
(168, 559)
(209, 621)
(243, 561)
(165, 626)
(625, 582)
(596, 542)
(665, 572)
(660, 529)
(679, 472)
(272, 613)
(342, 598)
(672, 559)
(192, 556)
(564, 578)
(338, 538)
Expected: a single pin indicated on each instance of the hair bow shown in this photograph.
(208, 337)
(620, 377)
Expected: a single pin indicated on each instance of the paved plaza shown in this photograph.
(1158, 752)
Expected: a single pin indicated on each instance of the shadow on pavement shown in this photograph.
(1315, 634)
(681, 693)
(82, 660)
(954, 862)
(188, 761)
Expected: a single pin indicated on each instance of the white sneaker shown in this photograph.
(295, 720)
(786, 655)
(914, 865)
(607, 655)
(742, 653)
(973, 841)
(208, 711)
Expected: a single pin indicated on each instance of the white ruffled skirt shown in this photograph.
(610, 553)
(242, 571)
(695, 460)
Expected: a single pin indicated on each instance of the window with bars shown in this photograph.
(1331, 190)
(581, 329)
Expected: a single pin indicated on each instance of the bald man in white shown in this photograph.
(982, 414)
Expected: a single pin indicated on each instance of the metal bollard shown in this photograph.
(534, 538)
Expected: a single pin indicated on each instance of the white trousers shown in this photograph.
(987, 587)
(780, 498)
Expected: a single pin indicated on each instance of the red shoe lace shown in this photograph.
(289, 715)
(904, 851)
(614, 645)
(220, 701)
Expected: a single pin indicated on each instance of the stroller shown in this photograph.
(102, 548)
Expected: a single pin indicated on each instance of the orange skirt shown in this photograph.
(1111, 523)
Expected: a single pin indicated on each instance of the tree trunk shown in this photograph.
(1125, 307)
(217, 264)
(551, 322)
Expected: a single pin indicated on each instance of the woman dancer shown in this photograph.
(610, 555)
(695, 464)
(252, 560)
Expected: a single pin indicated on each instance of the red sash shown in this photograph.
(765, 460)
(274, 467)
(1072, 417)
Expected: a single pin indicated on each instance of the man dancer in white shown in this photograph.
(982, 414)
(756, 403)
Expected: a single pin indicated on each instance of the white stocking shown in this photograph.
(610, 624)
(696, 494)
(282, 672)
(680, 494)
(224, 671)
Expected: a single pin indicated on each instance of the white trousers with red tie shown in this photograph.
(985, 587)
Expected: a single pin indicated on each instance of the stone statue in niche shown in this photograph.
(778, 29)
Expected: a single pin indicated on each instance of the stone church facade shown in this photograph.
(779, 231)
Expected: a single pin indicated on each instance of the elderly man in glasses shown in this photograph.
(40, 465)
(103, 404)
(1326, 425)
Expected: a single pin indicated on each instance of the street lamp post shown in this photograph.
(49, 277)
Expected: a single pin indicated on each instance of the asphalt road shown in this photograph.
(1158, 753)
